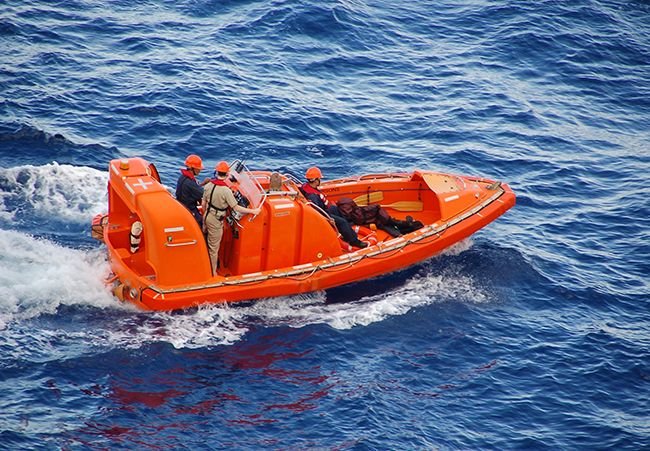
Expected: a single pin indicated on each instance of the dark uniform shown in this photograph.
(189, 193)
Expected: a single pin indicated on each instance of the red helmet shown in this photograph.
(222, 166)
(313, 173)
(194, 162)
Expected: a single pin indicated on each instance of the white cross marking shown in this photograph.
(142, 183)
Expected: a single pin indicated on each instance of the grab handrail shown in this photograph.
(184, 243)
(241, 166)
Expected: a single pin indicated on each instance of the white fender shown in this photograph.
(136, 232)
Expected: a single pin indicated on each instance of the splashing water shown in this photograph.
(37, 276)
(72, 193)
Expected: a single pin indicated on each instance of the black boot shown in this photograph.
(390, 229)
(359, 243)
(407, 226)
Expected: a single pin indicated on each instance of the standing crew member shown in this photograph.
(217, 198)
(318, 198)
(188, 190)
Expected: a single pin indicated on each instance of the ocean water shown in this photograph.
(533, 334)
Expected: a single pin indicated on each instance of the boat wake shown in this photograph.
(52, 191)
(212, 325)
(421, 290)
(37, 276)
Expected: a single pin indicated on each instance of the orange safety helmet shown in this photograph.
(194, 162)
(222, 166)
(313, 173)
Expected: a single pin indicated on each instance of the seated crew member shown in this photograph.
(315, 196)
(217, 198)
(188, 190)
(375, 214)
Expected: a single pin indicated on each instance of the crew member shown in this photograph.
(217, 198)
(188, 190)
(318, 198)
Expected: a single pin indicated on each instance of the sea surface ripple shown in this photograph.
(533, 334)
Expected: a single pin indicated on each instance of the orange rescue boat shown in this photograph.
(159, 257)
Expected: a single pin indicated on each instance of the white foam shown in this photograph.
(37, 276)
(213, 325)
(458, 248)
(73, 193)
(315, 151)
(420, 290)
(210, 325)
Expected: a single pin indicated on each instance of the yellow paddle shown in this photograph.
(375, 196)
(378, 196)
(406, 205)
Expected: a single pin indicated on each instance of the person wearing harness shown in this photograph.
(217, 199)
(188, 190)
(319, 199)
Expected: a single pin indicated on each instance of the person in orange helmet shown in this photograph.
(188, 190)
(217, 199)
(319, 199)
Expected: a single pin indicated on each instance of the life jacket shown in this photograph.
(217, 182)
(189, 174)
(315, 196)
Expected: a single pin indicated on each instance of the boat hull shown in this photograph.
(479, 202)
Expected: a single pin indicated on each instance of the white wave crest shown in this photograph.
(209, 325)
(73, 193)
(459, 248)
(37, 276)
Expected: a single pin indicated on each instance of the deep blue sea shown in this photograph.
(532, 334)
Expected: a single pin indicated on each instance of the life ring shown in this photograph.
(365, 234)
